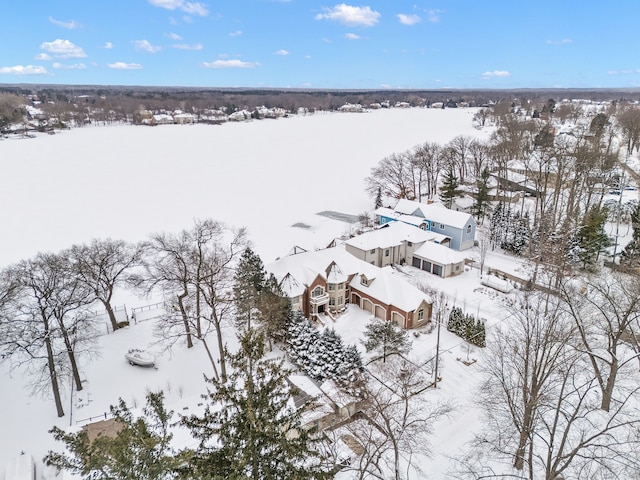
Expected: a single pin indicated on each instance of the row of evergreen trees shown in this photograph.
(322, 355)
(467, 326)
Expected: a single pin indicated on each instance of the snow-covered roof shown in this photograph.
(439, 253)
(335, 274)
(299, 271)
(388, 287)
(435, 212)
(296, 272)
(391, 234)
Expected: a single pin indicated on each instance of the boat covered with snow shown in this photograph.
(142, 358)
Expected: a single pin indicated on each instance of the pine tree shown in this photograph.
(140, 449)
(480, 334)
(481, 204)
(386, 337)
(455, 321)
(593, 238)
(274, 310)
(450, 188)
(630, 257)
(378, 203)
(249, 281)
(256, 434)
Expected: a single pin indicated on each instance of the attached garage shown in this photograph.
(367, 305)
(398, 319)
(381, 312)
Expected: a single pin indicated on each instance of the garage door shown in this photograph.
(398, 319)
(367, 305)
(381, 312)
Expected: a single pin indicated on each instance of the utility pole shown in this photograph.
(435, 380)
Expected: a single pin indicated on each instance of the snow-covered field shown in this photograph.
(127, 182)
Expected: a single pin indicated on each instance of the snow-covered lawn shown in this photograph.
(127, 182)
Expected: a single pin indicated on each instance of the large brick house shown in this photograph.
(321, 283)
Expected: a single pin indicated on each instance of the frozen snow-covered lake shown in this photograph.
(127, 181)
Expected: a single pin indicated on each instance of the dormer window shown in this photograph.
(364, 281)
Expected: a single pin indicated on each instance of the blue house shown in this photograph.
(459, 227)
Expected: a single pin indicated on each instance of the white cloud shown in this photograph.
(146, 46)
(629, 71)
(76, 66)
(352, 36)
(408, 19)
(307, 57)
(193, 8)
(24, 70)
(237, 33)
(43, 56)
(70, 25)
(125, 66)
(496, 74)
(564, 41)
(108, 45)
(230, 64)
(63, 49)
(174, 36)
(184, 46)
(350, 15)
(284, 53)
(434, 15)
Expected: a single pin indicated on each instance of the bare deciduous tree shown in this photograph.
(103, 265)
(396, 419)
(606, 311)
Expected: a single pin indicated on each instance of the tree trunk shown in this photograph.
(52, 372)
(223, 366)
(112, 315)
(185, 319)
(72, 356)
(607, 392)
(213, 362)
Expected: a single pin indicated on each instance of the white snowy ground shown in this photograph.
(127, 182)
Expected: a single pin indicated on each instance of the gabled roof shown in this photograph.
(435, 212)
(334, 274)
(390, 235)
(390, 288)
(301, 270)
(305, 267)
(439, 253)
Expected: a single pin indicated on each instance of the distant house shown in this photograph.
(439, 260)
(392, 244)
(323, 282)
(184, 118)
(459, 227)
(400, 243)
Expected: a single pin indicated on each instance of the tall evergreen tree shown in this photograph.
(140, 449)
(274, 310)
(630, 257)
(249, 281)
(386, 337)
(593, 238)
(250, 429)
(450, 188)
(378, 203)
(481, 204)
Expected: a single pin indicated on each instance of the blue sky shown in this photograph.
(322, 44)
